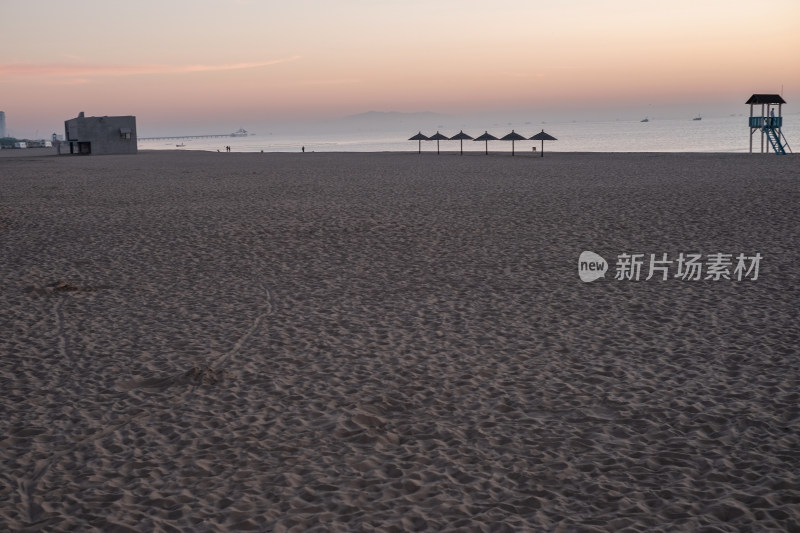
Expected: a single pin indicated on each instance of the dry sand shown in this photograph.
(391, 342)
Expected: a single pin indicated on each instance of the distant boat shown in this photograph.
(698, 117)
(180, 145)
(241, 132)
(645, 119)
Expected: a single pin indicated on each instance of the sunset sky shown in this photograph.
(182, 66)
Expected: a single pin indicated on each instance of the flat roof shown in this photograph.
(766, 99)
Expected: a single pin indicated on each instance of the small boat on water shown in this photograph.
(241, 132)
(645, 119)
(698, 117)
(180, 145)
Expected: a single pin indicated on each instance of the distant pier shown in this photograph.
(241, 133)
(179, 137)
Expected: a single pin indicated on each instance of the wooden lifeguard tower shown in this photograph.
(769, 123)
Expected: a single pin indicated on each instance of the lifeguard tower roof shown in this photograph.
(766, 99)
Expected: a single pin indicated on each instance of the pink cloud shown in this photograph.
(57, 70)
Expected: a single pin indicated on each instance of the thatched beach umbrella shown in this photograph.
(486, 137)
(460, 136)
(419, 137)
(542, 136)
(513, 136)
(438, 137)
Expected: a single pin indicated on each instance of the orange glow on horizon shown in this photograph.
(266, 62)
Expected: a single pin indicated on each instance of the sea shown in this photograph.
(729, 134)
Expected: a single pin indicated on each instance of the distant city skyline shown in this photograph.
(184, 66)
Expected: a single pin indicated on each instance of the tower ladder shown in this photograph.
(774, 139)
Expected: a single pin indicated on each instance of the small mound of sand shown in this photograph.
(203, 375)
(65, 286)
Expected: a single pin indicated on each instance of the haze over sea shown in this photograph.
(711, 134)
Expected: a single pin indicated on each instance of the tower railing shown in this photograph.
(766, 122)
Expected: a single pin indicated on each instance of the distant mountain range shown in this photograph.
(383, 119)
(384, 115)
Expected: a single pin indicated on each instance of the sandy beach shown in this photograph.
(196, 341)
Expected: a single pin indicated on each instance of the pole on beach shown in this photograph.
(513, 137)
(460, 136)
(419, 137)
(438, 137)
(486, 137)
(542, 136)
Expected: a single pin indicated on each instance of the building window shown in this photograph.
(125, 133)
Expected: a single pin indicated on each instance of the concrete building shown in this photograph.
(100, 135)
(2, 124)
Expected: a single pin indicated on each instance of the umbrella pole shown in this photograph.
(542, 147)
(487, 147)
(437, 146)
(462, 146)
(512, 148)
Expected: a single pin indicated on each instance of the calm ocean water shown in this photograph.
(722, 134)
